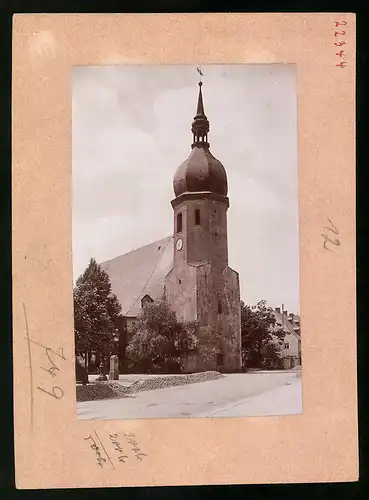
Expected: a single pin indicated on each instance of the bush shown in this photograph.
(160, 342)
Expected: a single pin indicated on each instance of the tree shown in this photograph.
(160, 342)
(96, 313)
(261, 338)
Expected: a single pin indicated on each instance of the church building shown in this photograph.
(190, 268)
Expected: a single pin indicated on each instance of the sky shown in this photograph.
(131, 129)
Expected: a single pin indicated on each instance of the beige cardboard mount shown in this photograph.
(55, 450)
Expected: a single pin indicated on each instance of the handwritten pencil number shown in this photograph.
(54, 392)
(340, 23)
(51, 371)
(327, 240)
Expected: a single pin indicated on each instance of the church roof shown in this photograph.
(140, 272)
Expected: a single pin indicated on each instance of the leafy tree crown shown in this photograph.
(96, 311)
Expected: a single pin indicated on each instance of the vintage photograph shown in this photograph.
(186, 241)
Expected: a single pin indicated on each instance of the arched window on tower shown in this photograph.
(179, 223)
(197, 217)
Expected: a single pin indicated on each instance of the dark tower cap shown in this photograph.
(201, 172)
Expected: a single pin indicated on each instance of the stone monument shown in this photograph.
(114, 367)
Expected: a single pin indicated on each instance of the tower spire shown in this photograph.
(200, 103)
(200, 125)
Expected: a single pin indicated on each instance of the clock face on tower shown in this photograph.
(179, 244)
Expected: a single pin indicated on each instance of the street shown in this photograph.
(235, 395)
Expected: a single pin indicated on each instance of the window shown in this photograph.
(215, 235)
(219, 307)
(179, 281)
(197, 217)
(146, 300)
(286, 345)
(179, 223)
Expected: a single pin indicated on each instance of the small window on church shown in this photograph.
(197, 217)
(179, 281)
(179, 223)
(219, 307)
(215, 235)
(146, 300)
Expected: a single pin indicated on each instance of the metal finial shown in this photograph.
(201, 74)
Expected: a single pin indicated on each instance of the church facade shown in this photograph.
(190, 268)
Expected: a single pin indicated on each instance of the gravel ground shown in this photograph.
(100, 390)
(110, 390)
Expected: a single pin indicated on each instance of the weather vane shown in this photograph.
(200, 73)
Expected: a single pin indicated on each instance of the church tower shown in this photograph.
(201, 286)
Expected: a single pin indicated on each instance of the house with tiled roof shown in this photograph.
(291, 348)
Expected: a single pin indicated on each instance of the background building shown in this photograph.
(291, 350)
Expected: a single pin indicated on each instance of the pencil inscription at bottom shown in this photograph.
(122, 455)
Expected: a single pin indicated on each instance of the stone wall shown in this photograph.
(219, 307)
(180, 292)
(212, 297)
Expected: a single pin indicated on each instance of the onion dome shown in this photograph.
(201, 172)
